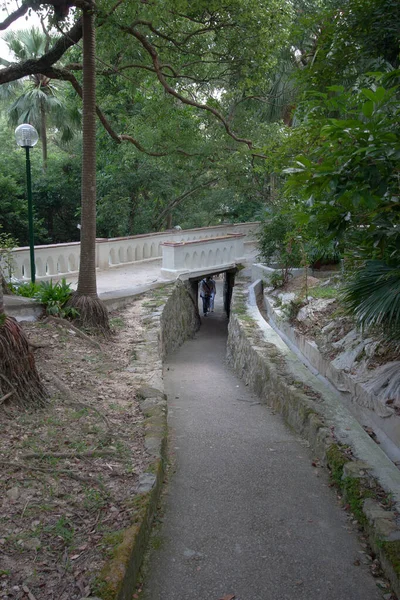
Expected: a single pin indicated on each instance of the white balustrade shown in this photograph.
(204, 253)
(50, 261)
(58, 260)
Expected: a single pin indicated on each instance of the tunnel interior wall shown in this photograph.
(229, 282)
(180, 317)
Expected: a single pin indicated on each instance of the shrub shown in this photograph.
(277, 279)
(277, 241)
(7, 243)
(27, 290)
(54, 297)
(292, 309)
(322, 253)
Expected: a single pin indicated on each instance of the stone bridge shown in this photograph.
(182, 252)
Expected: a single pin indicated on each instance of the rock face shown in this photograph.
(308, 313)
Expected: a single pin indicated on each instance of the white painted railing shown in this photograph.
(57, 260)
(194, 255)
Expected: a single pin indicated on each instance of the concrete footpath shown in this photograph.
(112, 285)
(246, 514)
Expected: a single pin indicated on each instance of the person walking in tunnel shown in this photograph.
(213, 292)
(206, 287)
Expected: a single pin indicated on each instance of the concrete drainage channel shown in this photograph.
(369, 481)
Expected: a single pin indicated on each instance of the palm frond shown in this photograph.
(373, 296)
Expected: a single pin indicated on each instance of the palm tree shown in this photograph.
(37, 97)
(92, 312)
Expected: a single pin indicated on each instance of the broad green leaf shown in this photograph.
(368, 109)
(369, 94)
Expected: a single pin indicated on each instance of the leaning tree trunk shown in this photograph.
(19, 380)
(92, 312)
(168, 221)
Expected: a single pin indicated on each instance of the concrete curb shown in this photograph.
(23, 309)
(365, 475)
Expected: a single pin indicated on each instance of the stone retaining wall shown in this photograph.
(356, 391)
(179, 319)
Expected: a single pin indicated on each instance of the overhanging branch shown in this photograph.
(170, 90)
(14, 16)
(40, 65)
(180, 199)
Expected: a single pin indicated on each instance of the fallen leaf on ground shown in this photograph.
(228, 597)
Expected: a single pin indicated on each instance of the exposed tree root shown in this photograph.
(68, 325)
(6, 397)
(18, 372)
(71, 399)
(93, 314)
(88, 454)
(54, 473)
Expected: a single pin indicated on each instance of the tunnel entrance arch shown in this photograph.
(228, 285)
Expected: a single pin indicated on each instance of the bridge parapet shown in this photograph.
(220, 252)
(58, 260)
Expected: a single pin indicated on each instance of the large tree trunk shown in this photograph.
(19, 379)
(92, 312)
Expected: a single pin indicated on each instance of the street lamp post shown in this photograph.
(26, 137)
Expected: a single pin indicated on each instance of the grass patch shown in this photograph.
(323, 291)
(117, 323)
(63, 529)
(156, 542)
(355, 494)
(336, 461)
(94, 500)
(392, 551)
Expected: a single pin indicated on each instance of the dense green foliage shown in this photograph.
(340, 160)
(190, 124)
(217, 112)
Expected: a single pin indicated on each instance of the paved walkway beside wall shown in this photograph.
(246, 513)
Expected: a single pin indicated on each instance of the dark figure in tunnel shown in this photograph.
(207, 287)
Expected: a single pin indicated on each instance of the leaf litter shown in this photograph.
(70, 470)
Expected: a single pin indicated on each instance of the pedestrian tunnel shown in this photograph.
(225, 281)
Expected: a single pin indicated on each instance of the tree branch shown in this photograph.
(14, 16)
(180, 199)
(66, 75)
(40, 65)
(161, 77)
